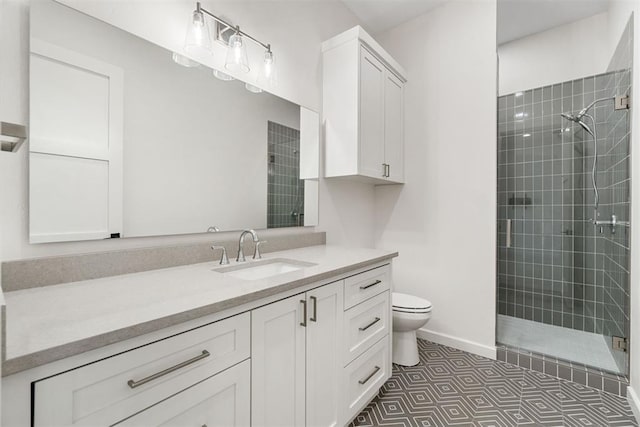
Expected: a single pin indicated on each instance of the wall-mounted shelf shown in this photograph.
(12, 136)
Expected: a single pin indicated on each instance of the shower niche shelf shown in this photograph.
(519, 200)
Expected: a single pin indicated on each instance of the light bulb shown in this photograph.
(237, 55)
(198, 39)
(268, 77)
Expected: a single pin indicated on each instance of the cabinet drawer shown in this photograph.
(114, 388)
(364, 376)
(365, 324)
(365, 285)
(220, 401)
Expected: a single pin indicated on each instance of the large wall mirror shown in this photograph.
(124, 142)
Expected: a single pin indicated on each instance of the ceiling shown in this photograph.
(516, 18)
(520, 18)
(381, 15)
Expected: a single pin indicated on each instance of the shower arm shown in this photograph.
(621, 102)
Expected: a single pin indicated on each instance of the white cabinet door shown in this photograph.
(220, 401)
(278, 363)
(324, 341)
(372, 82)
(393, 127)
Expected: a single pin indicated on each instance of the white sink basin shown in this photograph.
(262, 269)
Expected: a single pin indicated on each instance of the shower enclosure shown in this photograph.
(563, 217)
(285, 192)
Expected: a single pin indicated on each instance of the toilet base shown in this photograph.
(405, 348)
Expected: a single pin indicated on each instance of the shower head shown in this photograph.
(586, 128)
(578, 119)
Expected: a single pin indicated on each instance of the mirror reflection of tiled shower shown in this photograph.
(563, 265)
(285, 194)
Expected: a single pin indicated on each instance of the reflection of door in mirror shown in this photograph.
(75, 146)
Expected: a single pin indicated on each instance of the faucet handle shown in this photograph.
(256, 252)
(223, 259)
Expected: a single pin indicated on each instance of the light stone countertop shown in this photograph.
(53, 322)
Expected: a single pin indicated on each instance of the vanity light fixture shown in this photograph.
(198, 41)
(237, 59)
(268, 73)
(198, 38)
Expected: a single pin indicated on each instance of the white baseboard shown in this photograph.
(632, 397)
(459, 343)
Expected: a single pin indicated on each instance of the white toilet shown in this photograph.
(410, 313)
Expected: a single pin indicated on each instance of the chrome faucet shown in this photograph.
(240, 257)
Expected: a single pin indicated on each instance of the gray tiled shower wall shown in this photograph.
(285, 194)
(560, 269)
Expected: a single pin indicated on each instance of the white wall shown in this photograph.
(567, 52)
(295, 29)
(619, 13)
(443, 219)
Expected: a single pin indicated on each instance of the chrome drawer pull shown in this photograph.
(304, 312)
(134, 384)
(377, 282)
(370, 324)
(375, 371)
(314, 318)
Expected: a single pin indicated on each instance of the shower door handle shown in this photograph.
(508, 233)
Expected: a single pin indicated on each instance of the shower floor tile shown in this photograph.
(453, 388)
(564, 343)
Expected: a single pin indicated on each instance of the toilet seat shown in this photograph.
(403, 303)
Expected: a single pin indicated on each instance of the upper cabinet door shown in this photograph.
(372, 83)
(394, 127)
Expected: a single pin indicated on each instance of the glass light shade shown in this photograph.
(237, 55)
(222, 76)
(268, 75)
(198, 39)
(184, 61)
(251, 88)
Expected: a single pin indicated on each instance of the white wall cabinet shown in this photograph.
(296, 360)
(363, 102)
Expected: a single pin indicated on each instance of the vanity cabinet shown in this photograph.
(363, 99)
(296, 358)
(314, 358)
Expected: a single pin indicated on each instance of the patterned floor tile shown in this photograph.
(453, 388)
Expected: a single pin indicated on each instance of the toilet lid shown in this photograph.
(410, 303)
